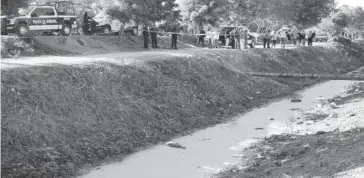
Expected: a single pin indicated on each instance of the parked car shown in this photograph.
(105, 24)
(52, 17)
(166, 28)
(4, 20)
(322, 38)
(252, 37)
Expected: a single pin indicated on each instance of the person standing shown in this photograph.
(153, 35)
(237, 39)
(242, 39)
(313, 37)
(283, 36)
(245, 39)
(227, 38)
(209, 37)
(174, 38)
(146, 36)
(310, 38)
(303, 35)
(294, 38)
(266, 39)
(85, 23)
(201, 38)
(216, 38)
(274, 39)
(298, 38)
(232, 38)
(288, 37)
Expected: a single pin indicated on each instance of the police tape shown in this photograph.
(199, 34)
(158, 32)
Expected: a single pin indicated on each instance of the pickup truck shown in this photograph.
(44, 18)
(104, 24)
(252, 37)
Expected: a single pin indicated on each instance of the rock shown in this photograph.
(334, 106)
(286, 176)
(272, 119)
(352, 115)
(259, 128)
(205, 139)
(250, 98)
(296, 100)
(278, 163)
(309, 122)
(333, 115)
(240, 156)
(299, 123)
(306, 146)
(321, 133)
(98, 168)
(259, 156)
(175, 145)
(293, 138)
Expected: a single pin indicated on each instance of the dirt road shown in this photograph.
(115, 57)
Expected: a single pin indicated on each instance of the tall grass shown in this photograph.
(55, 119)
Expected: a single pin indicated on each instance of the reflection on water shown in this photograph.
(220, 142)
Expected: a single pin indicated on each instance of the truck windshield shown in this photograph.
(25, 11)
(65, 8)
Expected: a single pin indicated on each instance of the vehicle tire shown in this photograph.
(22, 29)
(107, 30)
(66, 30)
(252, 45)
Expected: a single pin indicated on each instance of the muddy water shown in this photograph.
(213, 148)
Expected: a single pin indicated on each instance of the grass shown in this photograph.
(82, 45)
(57, 119)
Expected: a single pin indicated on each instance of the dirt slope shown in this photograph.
(86, 45)
(57, 119)
(327, 141)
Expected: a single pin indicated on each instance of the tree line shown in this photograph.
(259, 14)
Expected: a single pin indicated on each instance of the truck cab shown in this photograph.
(57, 17)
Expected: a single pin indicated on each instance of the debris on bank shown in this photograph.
(325, 142)
(296, 100)
(175, 145)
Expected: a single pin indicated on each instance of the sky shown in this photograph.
(351, 2)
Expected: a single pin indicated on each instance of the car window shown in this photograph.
(48, 12)
(43, 12)
(37, 12)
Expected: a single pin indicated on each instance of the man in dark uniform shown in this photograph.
(174, 38)
(85, 23)
(237, 39)
(201, 38)
(146, 35)
(153, 35)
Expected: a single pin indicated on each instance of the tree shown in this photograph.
(262, 14)
(142, 11)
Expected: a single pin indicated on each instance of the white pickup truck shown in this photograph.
(58, 17)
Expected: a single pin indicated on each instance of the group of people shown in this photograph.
(289, 37)
(237, 37)
(212, 37)
(153, 32)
